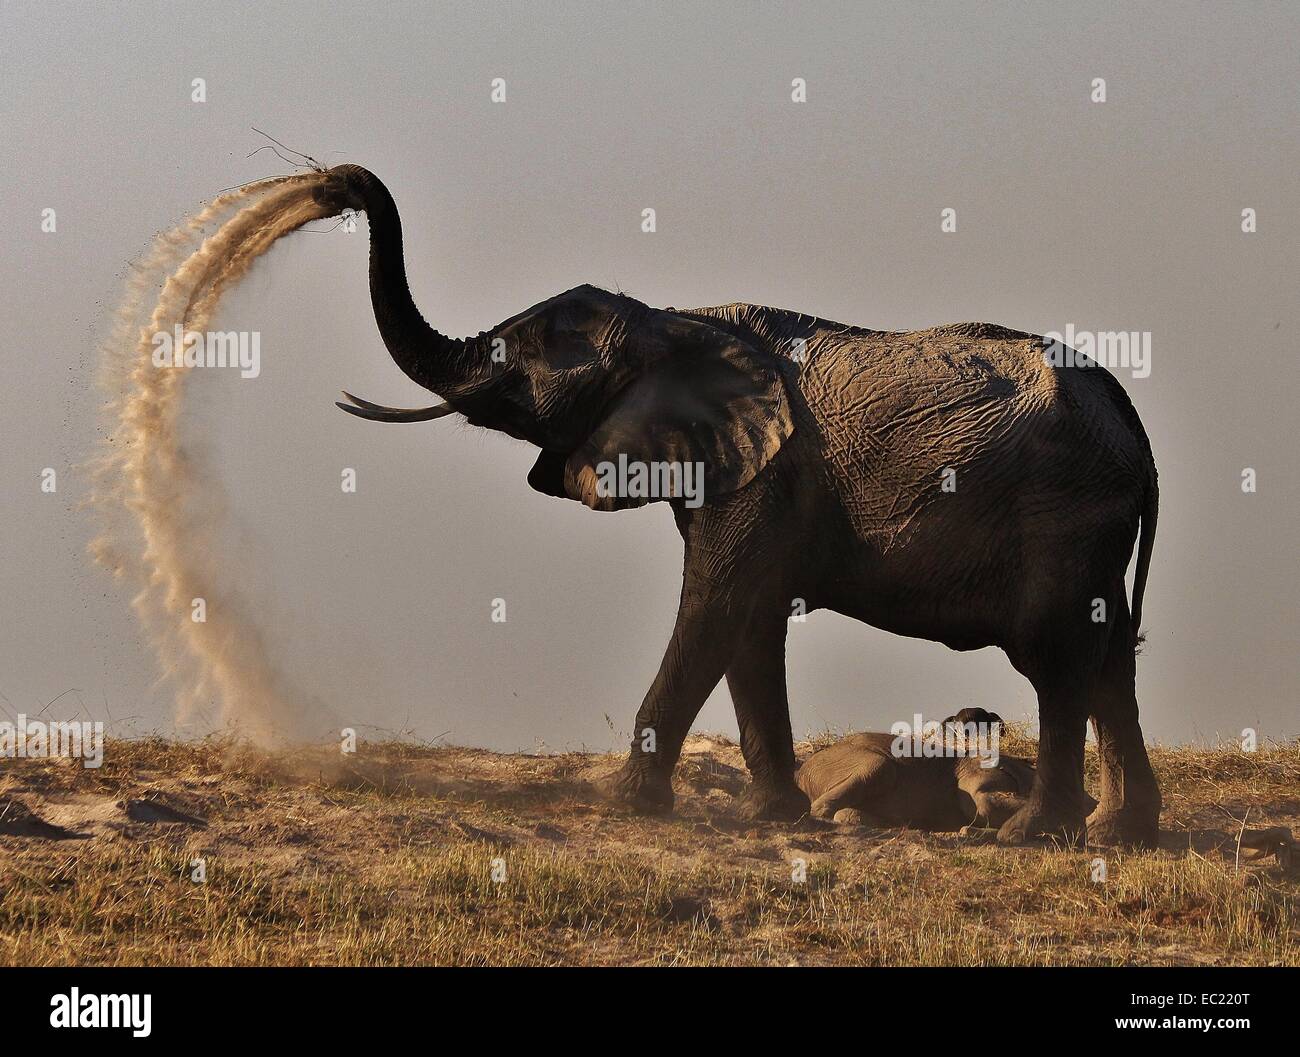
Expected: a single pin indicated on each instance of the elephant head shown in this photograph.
(589, 377)
(989, 720)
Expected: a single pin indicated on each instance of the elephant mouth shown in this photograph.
(380, 413)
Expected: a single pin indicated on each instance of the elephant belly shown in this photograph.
(973, 483)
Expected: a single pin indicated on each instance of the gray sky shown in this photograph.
(1123, 215)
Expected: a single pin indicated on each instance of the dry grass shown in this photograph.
(387, 858)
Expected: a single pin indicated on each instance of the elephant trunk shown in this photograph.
(438, 363)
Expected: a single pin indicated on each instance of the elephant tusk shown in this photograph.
(380, 413)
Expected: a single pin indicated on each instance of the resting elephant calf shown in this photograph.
(923, 792)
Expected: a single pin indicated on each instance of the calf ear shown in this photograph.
(701, 398)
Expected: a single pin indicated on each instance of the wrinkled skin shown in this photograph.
(861, 774)
(826, 449)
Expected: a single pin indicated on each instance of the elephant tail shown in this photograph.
(1146, 542)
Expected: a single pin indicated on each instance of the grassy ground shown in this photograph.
(388, 857)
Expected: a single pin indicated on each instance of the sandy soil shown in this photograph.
(404, 854)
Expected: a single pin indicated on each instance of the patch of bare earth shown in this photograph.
(401, 854)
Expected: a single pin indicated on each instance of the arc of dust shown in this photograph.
(154, 503)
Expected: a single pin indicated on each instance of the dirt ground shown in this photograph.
(207, 853)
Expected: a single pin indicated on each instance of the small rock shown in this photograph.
(482, 835)
(157, 811)
(691, 908)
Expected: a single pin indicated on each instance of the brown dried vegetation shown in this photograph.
(387, 857)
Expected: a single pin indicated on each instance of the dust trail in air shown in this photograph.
(159, 509)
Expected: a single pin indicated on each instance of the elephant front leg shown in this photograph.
(702, 645)
(756, 679)
(992, 809)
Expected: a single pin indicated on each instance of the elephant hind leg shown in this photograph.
(1064, 662)
(1129, 810)
(864, 789)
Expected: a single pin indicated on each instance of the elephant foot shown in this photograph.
(1041, 822)
(644, 791)
(773, 802)
(1124, 827)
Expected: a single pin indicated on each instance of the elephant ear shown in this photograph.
(706, 409)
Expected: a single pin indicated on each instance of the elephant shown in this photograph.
(863, 774)
(956, 484)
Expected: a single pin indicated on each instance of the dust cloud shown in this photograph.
(159, 510)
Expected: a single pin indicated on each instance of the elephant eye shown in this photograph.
(569, 349)
(510, 413)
